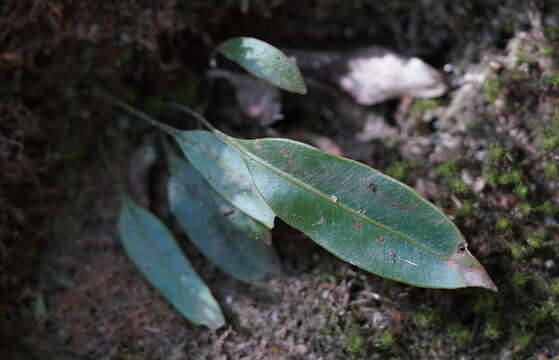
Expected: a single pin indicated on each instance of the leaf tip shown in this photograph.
(471, 271)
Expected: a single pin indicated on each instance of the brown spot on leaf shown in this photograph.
(392, 256)
(284, 152)
(381, 239)
(358, 226)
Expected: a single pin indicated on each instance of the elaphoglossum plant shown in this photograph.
(226, 192)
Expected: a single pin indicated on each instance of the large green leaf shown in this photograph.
(360, 215)
(232, 250)
(226, 172)
(155, 252)
(264, 61)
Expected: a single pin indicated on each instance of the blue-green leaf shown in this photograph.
(264, 61)
(153, 249)
(232, 250)
(226, 173)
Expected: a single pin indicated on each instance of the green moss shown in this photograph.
(447, 169)
(484, 303)
(518, 279)
(554, 287)
(525, 208)
(491, 88)
(355, 343)
(329, 330)
(386, 340)
(551, 169)
(399, 170)
(552, 32)
(516, 251)
(458, 186)
(545, 50)
(490, 177)
(541, 313)
(553, 79)
(459, 334)
(420, 107)
(496, 152)
(467, 208)
(523, 338)
(548, 207)
(491, 329)
(534, 242)
(521, 191)
(502, 224)
(551, 142)
(425, 317)
(521, 56)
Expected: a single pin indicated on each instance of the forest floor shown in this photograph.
(486, 152)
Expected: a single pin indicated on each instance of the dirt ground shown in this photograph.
(487, 153)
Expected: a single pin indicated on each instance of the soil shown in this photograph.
(486, 153)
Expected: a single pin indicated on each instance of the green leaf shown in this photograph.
(240, 220)
(232, 250)
(360, 215)
(226, 172)
(264, 61)
(155, 252)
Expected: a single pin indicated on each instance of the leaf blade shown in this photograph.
(232, 250)
(226, 172)
(360, 215)
(264, 61)
(154, 251)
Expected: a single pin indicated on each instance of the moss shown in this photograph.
(329, 330)
(459, 334)
(399, 170)
(545, 50)
(467, 208)
(425, 317)
(420, 107)
(386, 340)
(458, 186)
(551, 142)
(484, 303)
(355, 343)
(552, 32)
(553, 287)
(551, 169)
(490, 177)
(491, 87)
(525, 208)
(491, 329)
(521, 56)
(548, 207)
(553, 79)
(516, 251)
(521, 191)
(502, 224)
(496, 152)
(447, 169)
(534, 242)
(523, 338)
(541, 313)
(518, 279)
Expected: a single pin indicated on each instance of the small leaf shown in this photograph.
(226, 172)
(264, 61)
(360, 215)
(207, 227)
(153, 249)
